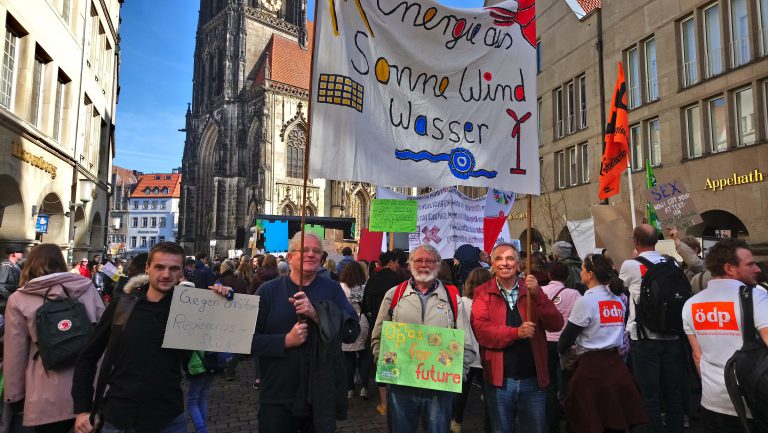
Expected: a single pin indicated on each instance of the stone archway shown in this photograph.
(97, 233)
(537, 241)
(719, 224)
(58, 228)
(81, 233)
(12, 221)
(206, 196)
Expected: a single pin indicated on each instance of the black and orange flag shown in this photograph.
(616, 141)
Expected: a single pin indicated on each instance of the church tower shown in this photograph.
(228, 138)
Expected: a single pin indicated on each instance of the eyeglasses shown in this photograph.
(317, 251)
(424, 261)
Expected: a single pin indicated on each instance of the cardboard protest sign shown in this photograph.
(396, 216)
(419, 93)
(203, 320)
(613, 231)
(667, 246)
(673, 204)
(421, 356)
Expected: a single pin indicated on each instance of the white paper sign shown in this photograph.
(203, 320)
(447, 220)
(417, 93)
(583, 235)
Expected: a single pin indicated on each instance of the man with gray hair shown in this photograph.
(424, 300)
(291, 309)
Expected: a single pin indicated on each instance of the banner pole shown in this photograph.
(391, 241)
(306, 154)
(631, 193)
(528, 257)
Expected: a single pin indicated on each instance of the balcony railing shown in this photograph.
(690, 73)
(740, 52)
(714, 62)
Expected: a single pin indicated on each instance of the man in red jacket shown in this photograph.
(513, 347)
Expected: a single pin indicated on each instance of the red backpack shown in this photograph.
(453, 295)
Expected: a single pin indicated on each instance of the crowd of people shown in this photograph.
(565, 343)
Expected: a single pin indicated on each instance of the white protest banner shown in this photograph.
(447, 220)
(583, 235)
(418, 93)
(203, 320)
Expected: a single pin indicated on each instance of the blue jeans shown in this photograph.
(197, 400)
(658, 368)
(406, 406)
(178, 425)
(517, 403)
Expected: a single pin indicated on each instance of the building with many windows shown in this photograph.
(153, 212)
(246, 128)
(123, 184)
(58, 92)
(697, 87)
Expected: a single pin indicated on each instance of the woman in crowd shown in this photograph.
(245, 271)
(602, 395)
(267, 271)
(352, 280)
(563, 298)
(44, 396)
(467, 258)
(97, 277)
(476, 278)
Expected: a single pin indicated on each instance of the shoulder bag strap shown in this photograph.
(399, 291)
(649, 264)
(747, 314)
(123, 311)
(558, 293)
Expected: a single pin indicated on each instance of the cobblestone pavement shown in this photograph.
(232, 407)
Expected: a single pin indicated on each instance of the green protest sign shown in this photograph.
(316, 229)
(421, 356)
(395, 216)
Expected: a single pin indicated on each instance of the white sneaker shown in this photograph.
(350, 394)
(364, 393)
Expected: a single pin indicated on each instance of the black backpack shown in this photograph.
(63, 327)
(663, 292)
(746, 373)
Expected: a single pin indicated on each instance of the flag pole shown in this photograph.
(528, 257)
(631, 193)
(306, 153)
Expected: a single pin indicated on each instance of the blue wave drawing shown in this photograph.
(460, 161)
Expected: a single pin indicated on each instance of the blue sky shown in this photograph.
(157, 48)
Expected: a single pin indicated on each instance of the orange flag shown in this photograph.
(616, 141)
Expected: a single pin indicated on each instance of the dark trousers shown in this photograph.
(362, 360)
(658, 368)
(279, 418)
(556, 389)
(460, 402)
(56, 427)
(715, 422)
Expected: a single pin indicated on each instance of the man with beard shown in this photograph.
(424, 301)
(713, 323)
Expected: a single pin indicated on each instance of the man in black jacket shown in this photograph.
(145, 383)
(382, 280)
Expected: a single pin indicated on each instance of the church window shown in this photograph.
(295, 143)
(359, 208)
